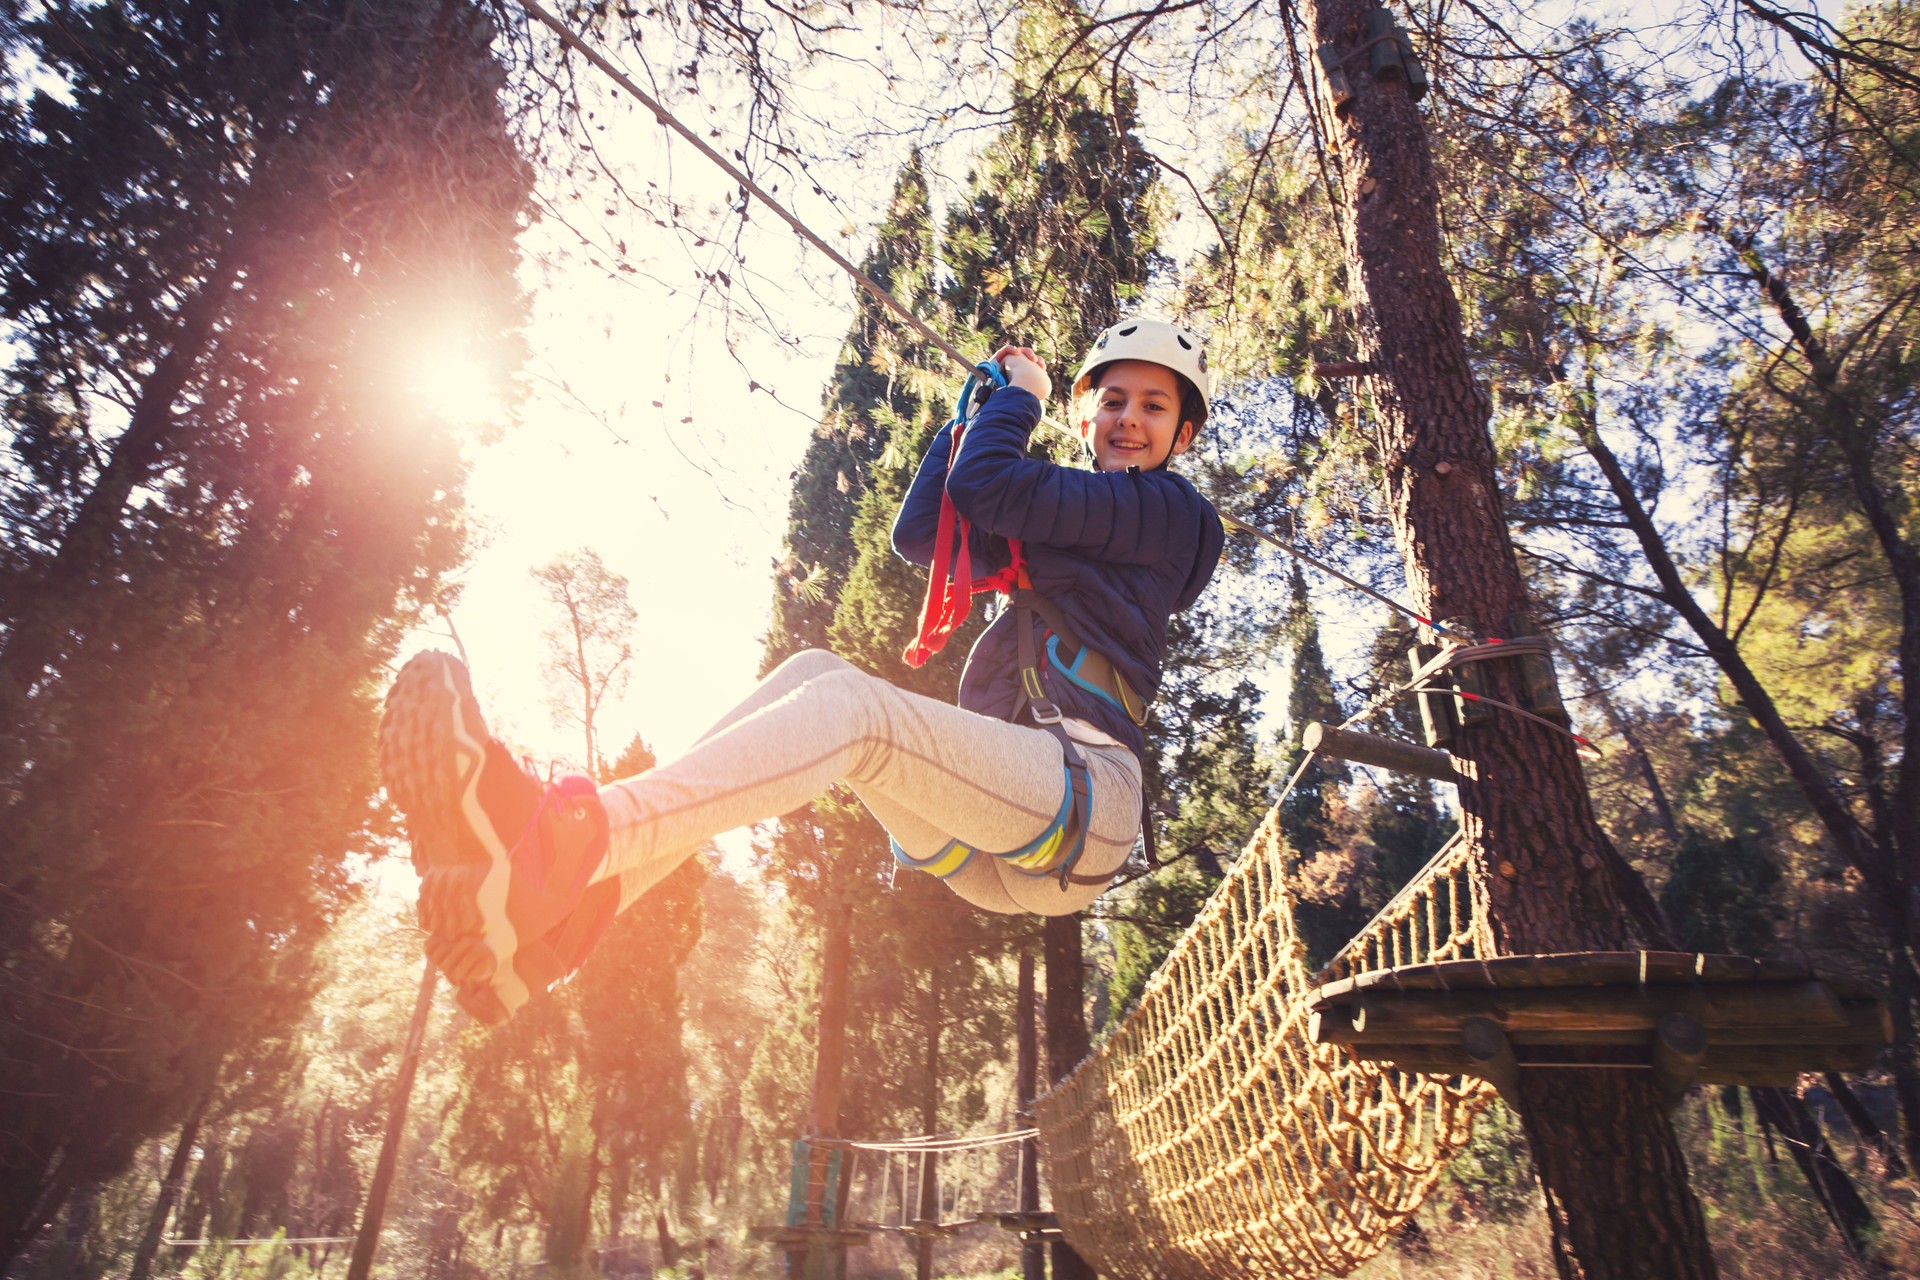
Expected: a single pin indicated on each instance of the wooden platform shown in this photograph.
(924, 1228)
(1693, 1019)
(1041, 1224)
(800, 1238)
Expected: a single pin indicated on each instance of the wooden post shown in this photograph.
(1381, 753)
(1602, 1142)
(1679, 1048)
(1026, 1087)
(1492, 1056)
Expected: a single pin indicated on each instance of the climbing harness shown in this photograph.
(951, 585)
(1090, 669)
(1053, 850)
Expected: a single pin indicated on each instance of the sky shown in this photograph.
(641, 437)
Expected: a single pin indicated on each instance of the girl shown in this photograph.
(1025, 797)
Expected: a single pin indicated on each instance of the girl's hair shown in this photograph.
(1193, 405)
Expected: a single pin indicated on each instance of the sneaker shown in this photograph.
(504, 859)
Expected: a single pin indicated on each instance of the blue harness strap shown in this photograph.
(1040, 856)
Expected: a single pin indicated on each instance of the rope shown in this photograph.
(1208, 1135)
(1445, 633)
(930, 1142)
(747, 184)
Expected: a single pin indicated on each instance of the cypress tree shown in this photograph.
(218, 510)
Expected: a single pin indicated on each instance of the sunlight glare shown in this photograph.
(459, 387)
(441, 363)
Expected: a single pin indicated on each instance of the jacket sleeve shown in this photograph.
(1128, 517)
(917, 524)
(918, 519)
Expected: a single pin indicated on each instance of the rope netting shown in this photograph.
(1209, 1137)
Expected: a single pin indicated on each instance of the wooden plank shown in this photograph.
(1413, 1016)
(1868, 1023)
(784, 1237)
(1739, 1064)
(1578, 969)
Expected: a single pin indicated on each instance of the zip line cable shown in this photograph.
(665, 117)
(1445, 633)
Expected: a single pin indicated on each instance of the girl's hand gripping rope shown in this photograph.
(1025, 370)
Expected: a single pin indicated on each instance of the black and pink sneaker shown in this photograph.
(504, 859)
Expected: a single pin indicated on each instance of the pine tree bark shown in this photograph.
(1617, 1194)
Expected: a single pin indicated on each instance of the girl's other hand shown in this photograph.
(1025, 370)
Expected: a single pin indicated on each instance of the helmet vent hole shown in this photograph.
(1129, 331)
(1184, 344)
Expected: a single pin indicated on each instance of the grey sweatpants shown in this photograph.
(929, 771)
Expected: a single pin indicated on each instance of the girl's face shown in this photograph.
(1136, 417)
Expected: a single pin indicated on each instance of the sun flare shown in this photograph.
(457, 385)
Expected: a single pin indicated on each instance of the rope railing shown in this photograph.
(1209, 1137)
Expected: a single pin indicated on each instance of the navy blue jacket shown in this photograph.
(1117, 552)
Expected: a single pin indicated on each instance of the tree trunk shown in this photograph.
(1067, 1040)
(824, 1261)
(367, 1238)
(68, 1259)
(87, 542)
(1026, 1087)
(929, 1210)
(1864, 1124)
(1618, 1199)
(1789, 1114)
(170, 1185)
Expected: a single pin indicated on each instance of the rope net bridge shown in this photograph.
(1250, 1118)
(1209, 1135)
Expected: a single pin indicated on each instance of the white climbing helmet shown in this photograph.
(1155, 341)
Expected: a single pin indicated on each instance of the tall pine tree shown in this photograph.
(219, 507)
